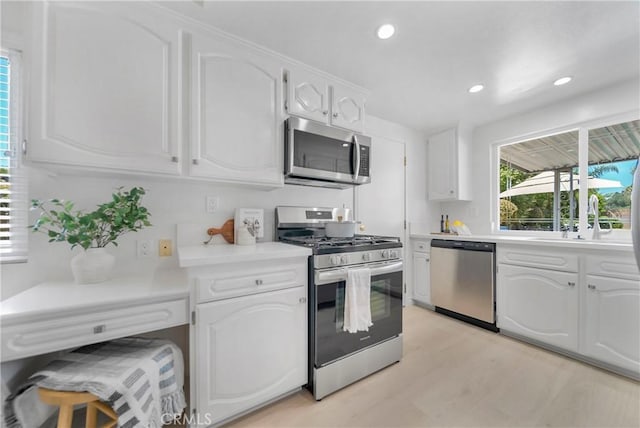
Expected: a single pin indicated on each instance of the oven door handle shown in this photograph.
(337, 275)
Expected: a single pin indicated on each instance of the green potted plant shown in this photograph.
(92, 231)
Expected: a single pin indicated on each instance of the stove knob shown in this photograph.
(385, 254)
(393, 254)
(334, 260)
(344, 260)
(366, 257)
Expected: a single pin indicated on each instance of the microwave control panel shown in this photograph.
(364, 160)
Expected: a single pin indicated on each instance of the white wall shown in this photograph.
(174, 201)
(169, 201)
(602, 103)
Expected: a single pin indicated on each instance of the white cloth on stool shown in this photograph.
(357, 301)
(140, 379)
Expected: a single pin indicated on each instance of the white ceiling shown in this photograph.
(420, 77)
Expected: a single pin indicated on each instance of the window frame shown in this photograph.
(16, 250)
(583, 129)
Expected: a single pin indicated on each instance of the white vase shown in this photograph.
(92, 265)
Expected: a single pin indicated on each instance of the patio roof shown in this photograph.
(608, 144)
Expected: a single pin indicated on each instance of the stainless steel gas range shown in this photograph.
(338, 358)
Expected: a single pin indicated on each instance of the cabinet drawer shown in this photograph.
(243, 279)
(60, 332)
(421, 246)
(622, 266)
(538, 258)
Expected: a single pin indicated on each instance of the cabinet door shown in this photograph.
(104, 87)
(421, 285)
(443, 166)
(612, 321)
(249, 350)
(237, 116)
(308, 96)
(347, 108)
(539, 304)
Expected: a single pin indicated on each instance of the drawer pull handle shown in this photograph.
(571, 284)
(258, 282)
(99, 329)
(591, 286)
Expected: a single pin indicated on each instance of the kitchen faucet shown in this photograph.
(593, 208)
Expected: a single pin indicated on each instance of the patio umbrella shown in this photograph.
(543, 183)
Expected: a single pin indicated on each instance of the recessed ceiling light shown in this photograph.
(385, 31)
(476, 88)
(562, 81)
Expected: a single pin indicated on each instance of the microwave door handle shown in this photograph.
(357, 166)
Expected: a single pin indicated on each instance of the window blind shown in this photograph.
(13, 186)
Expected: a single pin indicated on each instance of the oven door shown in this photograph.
(331, 342)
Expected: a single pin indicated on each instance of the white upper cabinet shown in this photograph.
(315, 97)
(308, 96)
(347, 108)
(104, 88)
(236, 112)
(449, 166)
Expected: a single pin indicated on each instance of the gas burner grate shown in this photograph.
(324, 242)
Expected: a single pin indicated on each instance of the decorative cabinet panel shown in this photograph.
(539, 304)
(308, 96)
(104, 88)
(315, 97)
(421, 272)
(236, 113)
(612, 321)
(347, 108)
(449, 166)
(249, 350)
(57, 332)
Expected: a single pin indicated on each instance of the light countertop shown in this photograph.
(201, 255)
(62, 297)
(534, 240)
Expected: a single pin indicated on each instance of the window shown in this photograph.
(540, 179)
(13, 191)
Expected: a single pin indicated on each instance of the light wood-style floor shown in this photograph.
(456, 375)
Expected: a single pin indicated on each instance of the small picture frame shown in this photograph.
(250, 218)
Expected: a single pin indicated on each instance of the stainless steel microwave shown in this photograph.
(320, 155)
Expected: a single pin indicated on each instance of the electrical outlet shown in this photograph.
(143, 248)
(165, 248)
(212, 204)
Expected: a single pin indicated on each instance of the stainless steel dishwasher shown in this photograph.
(463, 280)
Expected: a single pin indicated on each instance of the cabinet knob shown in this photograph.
(302, 300)
(258, 282)
(194, 161)
(99, 329)
(451, 192)
(571, 284)
(174, 159)
(335, 114)
(427, 259)
(591, 287)
(325, 112)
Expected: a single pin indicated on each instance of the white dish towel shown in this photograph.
(357, 302)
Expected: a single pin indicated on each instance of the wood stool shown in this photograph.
(65, 400)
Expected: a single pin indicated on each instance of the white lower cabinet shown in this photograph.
(249, 350)
(586, 302)
(612, 321)
(421, 274)
(539, 304)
